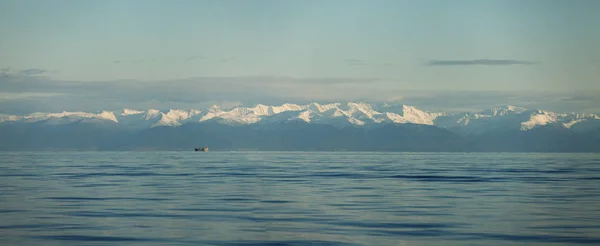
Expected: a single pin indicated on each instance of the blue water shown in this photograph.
(298, 198)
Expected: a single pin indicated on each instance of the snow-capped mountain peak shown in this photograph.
(152, 113)
(539, 118)
(108, 115)
(131, 112)
(504, 110)
(338, 114)
(322, 108)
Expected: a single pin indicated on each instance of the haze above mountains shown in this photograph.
(337, 126)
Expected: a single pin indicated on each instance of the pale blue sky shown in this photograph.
(443, 45)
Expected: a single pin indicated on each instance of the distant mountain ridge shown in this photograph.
(335, 126)
(336, 114)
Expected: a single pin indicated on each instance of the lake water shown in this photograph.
(298, 198)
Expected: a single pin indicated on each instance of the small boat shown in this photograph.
(204, 149)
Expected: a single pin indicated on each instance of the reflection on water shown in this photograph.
(298, 198)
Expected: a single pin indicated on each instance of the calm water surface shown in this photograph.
(298, 198)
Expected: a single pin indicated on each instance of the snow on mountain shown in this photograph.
(131, 112)
(399, 113)
(136, 119)
(510, 118)
(322, 108)
(505, 117)
(352, 113)
(503, 110)
(538, 118)
(6, 117)
(583, 125)
(174, 117)
(60, 118)
(241, 115)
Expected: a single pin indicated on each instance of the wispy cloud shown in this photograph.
(228, 59)
(485, 62)
(354, 62)
(139, 60)
(5, 71)
(180, 93)
(26, 95)
(32, 71)
(22, 93)
(189, 58)
(25, 72)
(475, 101)
(192, 58)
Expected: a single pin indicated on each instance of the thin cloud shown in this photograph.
(475, 101)
(139, 61)
(192, 58)
(26, 93)
(5, 71)
(308, 81)
(181, 93)
(355, 62)
(116, 62)
(228, 59)
(485, 62)
(32, 71)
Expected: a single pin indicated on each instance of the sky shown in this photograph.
(437, 54)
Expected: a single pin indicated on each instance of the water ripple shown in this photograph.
(298, 198)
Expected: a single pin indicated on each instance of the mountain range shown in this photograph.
(336, 126)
